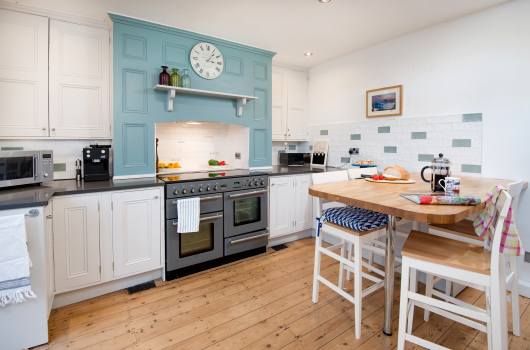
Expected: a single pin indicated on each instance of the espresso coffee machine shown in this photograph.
(96, 163)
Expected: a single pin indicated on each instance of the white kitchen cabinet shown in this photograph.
(289, 104)
(23, 74)
(76, 241)
(79, 81)
(136, 231)
(290, 206)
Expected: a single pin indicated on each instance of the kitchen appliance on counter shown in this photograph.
(440, 169)
(25, 167)
(295, 159)
(233, 220)
(96, 163)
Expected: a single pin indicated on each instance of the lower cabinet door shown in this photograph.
(304, 203)
(136, 231)
(76, 241)
(281, 205)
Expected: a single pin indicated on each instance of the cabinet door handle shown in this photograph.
(48, 216)
(43, 128)
(156, 197)
(53, 129)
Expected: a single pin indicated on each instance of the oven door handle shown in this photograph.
(175, 223)
(247, 194)
(249, 238)
(202, 199)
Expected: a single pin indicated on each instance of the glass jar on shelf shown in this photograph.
(174, 79)
(185, 80)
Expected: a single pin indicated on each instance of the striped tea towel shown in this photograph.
(14, 261)
(188, 210)
(510, 241)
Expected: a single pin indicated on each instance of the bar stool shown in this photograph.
(464, 231)
(356, 238)
(465, 263)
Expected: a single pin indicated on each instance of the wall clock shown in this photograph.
(207, 61)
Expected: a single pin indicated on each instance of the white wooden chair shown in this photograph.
(459, 262)
(353, 238)
(464, 231)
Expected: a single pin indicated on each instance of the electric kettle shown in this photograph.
(440, 169)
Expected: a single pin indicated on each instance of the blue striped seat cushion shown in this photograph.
(355, 218)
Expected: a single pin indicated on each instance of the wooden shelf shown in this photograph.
(172, 91)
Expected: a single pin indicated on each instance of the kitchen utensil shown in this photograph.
(452, 185)
(78, 170)
(440, 169)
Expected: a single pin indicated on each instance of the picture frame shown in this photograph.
(384, 102)
(319, 153)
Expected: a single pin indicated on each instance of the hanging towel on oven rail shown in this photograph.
(188, 212)
(15, 285)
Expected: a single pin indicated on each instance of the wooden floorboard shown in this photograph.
(262, 302)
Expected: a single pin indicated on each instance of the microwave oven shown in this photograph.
(25, 167)
(295, 159)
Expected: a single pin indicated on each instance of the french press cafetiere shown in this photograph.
(440, 169)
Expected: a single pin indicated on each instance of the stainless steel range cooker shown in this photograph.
(233, 219)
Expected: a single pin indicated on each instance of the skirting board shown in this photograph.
(76, 296)
(289, 238)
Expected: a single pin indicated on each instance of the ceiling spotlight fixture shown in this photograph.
(194, 123)
(324, 1)
(308, 54)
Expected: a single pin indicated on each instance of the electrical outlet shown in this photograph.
(354, 151)
(527, 257)
(238, 155)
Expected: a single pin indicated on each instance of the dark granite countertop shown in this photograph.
(281, 170)
(25, 197)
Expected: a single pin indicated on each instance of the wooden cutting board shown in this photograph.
(392, 182)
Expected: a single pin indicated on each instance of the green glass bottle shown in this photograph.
(186, 81)
(174, 79)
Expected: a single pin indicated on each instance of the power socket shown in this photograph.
(527, 257)
(354, 151)
(238, 155)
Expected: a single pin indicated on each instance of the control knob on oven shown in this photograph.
(192, 190)
(208, 188)
(200, 189)
(256, 183)
(176, 192)
(262, 182)
(250, 184)
(215, 188)
(184, 191)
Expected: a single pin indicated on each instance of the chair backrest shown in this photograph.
(328, 177)
(356, 173)
(514, 189)
(503, 205)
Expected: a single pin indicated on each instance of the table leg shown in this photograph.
(389, 274)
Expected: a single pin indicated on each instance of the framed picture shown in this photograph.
(384, 102)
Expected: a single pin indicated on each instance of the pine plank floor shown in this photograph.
(262, 302)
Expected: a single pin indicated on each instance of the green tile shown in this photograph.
(292, 147)
(59, 167)
(470, 168)
(390, 149)
(418, 135)
(355, 136)
(472, 117)
(323, 132)
(461, 143)
(310, 148)
(425, 157)
(344, 159)
(383, 129)
(281, 151)
(12, 148)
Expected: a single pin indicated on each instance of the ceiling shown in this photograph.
(288, 27)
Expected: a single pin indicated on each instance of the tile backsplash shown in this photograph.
(409, 142)
(192, 145)
(65, 152)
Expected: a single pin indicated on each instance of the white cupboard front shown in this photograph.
(23, 74)
(136, 231)
(76, 241)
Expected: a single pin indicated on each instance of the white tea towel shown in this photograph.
(188, 211)
(14, 261)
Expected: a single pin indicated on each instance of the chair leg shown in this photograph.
(488, 312)
(405, 273)
(370, 257)
(428, 293)
(342, 254)
(448, 285)
(413, 288)
(515, 298)
(318, 256)
(358, 279)
(350, 255)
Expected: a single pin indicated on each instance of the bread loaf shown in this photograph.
(397, 171)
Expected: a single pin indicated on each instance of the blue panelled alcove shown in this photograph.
(139, 49)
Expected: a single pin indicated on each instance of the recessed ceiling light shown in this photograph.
(324, 1)
(194, 123)
(308, 54)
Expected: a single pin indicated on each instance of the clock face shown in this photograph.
(207, 61)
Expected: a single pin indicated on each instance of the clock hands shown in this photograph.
(208, 60)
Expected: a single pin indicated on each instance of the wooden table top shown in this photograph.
(385, 198)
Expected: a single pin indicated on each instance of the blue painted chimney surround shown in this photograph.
(139, 49)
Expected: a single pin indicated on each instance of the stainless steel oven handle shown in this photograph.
(249, 238)
(175, 223)
(202, 199)
(247, 194)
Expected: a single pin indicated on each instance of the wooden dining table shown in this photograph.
(384, 198)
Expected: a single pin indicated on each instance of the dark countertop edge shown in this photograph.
(104, 189)
(297, 170)
(24, 205)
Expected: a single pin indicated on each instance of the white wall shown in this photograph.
(475, 64)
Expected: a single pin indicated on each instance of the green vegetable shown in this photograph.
(213, 162)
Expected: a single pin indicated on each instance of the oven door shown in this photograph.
(18, 168)
(187, 249)
(245, 211)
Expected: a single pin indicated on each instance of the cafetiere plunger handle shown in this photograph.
(423, 177)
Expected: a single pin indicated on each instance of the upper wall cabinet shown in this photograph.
(79, 81)
(56, 84)
(289, 104)
(23, 74)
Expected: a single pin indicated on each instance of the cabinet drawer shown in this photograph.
(209, 204)
(249, 241)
